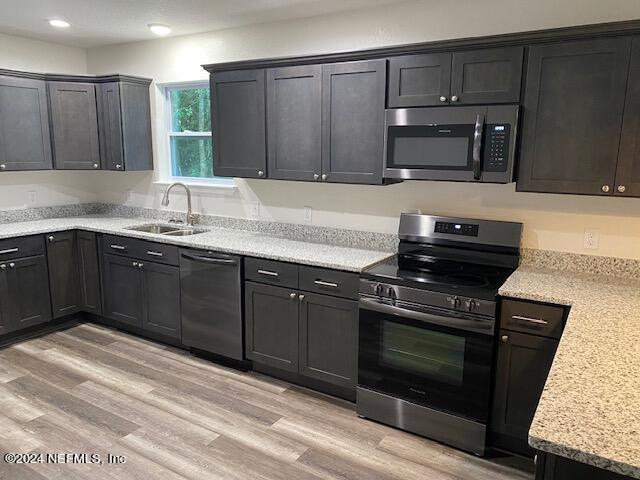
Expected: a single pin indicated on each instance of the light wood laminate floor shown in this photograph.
(90, 389)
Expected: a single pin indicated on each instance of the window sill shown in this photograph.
(200, 186)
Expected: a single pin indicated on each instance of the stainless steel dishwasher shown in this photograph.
(211, 298)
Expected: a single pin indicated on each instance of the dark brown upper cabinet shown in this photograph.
(353, 121)
(573, 111)
(25, 143)
(239, 126)
(294, 118)
(419, 80)
(74, 125)
(491, 75)
(124, 120)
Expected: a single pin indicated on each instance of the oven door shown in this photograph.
(434, 143)
(432, 357)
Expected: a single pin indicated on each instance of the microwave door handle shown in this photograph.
(478, 326)
(477, 145)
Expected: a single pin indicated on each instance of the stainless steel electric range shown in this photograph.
(427, 326)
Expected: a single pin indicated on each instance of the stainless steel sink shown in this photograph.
(164, 229)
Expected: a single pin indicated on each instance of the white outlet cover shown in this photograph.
(308, 214)
(591, 239)
(32, 196)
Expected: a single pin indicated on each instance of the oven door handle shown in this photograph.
(477, 146)
(482, 326)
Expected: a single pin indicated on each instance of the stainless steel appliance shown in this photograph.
(471, 144)
(427, 326)
(211, 302)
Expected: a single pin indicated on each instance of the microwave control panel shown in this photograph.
(496, 147)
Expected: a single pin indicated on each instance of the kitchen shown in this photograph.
(401, 245)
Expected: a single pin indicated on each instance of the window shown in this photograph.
(190, 145)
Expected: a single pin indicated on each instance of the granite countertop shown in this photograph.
(590, 406)
(240, 242)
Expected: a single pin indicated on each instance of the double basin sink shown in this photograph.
(176, 230)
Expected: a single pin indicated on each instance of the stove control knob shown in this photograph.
(391, 293)
(471, 305)
(378, 290)
(454, 302)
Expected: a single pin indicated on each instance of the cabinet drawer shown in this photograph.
(271, 272)
(329, 282)
(530, 317)
(141, 249)
(21, 247)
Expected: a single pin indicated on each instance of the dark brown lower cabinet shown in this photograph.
(29, 300)
(141, 294)
(88, 265)
(328, 339)
(64, 277)
(523, 364)
(271, 325)
(552, 467)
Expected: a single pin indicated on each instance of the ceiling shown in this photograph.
(103, 22)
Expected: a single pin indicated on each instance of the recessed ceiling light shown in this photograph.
(159, 29)
(59, 23)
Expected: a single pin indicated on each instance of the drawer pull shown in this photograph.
(325, 284)
(8, 250)
(118, 247)
(268, 272)
(154, 254)
(536, 321)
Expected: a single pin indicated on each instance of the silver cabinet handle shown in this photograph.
(12, 265)
(134, 264)
(504, 339)
(301, 297)
(95, 165)
(536, 321)
(292, 296)
(50, 238)
(260, 173)
(140, 265)
(154, 254)
(605, 188)
(3, 266)
(621, 188)
(325, 284)
(117, 247)
(118, 166)
(443, 99)
(268, 272)
(324, 176)
(8, 250)
(3, 166)
(316, 176)
(454, 98)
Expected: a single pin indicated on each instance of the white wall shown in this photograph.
(51, 188)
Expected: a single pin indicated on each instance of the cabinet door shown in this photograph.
(628, 172)
(329, 339)
(74, 122)
(271, 321)
(294, 116)
(25, 143)
(110, 126)
(161, 301)
(239, 124)
(89, 272)
(122, 290)
(523, 364)
(573, 106)
(419, 80)
(6, 325)
(136, 127)
(492, 75)
(64, 278)
(29, 290)
(353, 121)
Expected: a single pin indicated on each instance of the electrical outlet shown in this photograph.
(591, 239)
(255, 210)
(33, 197)
(308, 214)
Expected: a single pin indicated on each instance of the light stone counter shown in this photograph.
(240, 242)
(590, 406)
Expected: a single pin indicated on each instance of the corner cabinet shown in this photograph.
(239, 130)
(25, 142)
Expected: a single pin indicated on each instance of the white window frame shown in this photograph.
(166, 167)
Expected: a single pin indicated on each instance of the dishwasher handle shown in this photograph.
(213, 260)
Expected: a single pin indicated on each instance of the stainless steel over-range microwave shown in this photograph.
(468, 144)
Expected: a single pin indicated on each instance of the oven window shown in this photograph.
(434, 355)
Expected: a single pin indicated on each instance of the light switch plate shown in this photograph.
(32, 195)
(591, 239)
(308, 214)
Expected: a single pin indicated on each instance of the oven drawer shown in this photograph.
(531, 317)
(271, 271)
(21, 247)
(329, 282)
(141, 249)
